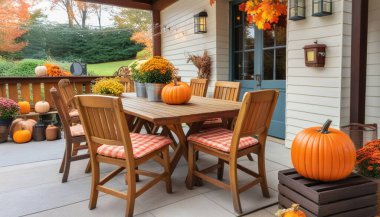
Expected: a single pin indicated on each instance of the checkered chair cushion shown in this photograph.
(142, 145)
(77, 130)
(74, 113)
(220, 138)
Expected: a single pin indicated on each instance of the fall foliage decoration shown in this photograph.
(263, 13)
(21, 123)
(55, 70)
(294, 211)
(323, 154)
(14, 14)
(42, 107)
(24, 107)
(40, 71)
(368, 159)
(203, 63)
(22, 136)
(176, 93)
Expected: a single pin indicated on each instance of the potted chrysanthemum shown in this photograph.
(8, 111)
(137, 77)
(156, 72)
(108, 86)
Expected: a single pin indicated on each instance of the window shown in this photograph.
(248, 41)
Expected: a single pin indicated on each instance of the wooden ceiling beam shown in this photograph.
(137, 4)
(160, 5)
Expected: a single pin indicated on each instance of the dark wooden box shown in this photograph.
(352, 197)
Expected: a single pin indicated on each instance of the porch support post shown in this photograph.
(156, 32)
(358, 60)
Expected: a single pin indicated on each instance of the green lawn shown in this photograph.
(106, 69)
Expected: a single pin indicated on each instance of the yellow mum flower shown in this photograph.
(108, 86)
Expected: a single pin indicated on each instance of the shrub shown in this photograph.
(5, 67)
(144, 54)
(25, 68)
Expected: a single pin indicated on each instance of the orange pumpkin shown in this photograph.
(22, 136)
(291, 212)
(24, 107)
(323, 154)
(20, 123)
(176, 93)
(42, 107)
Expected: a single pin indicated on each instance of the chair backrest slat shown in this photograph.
(67, 92)
(227, 90)
(104, 122)
(62, 110)
(198, 87)
(255, 114)
(129, 85)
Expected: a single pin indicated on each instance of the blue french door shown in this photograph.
(258, 61)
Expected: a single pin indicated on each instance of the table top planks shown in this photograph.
(198, 109)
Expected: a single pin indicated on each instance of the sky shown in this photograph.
(58, 15)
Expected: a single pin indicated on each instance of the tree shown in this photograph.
(14, 14)
(145, 38)
(98, 11)
(66, 5)
(136, 20)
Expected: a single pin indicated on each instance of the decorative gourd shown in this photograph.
(24, 107)
(22, 136)
(51, 133)
(291, 212)
(20, 123)
(176, 93)
(42, 107)
(323, 154)
(40, 71)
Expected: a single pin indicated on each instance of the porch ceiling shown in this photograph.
(137, 4)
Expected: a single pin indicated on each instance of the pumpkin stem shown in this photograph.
(175, 81)
(326, 126)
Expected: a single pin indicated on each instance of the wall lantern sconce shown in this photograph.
(296, 9)
(322, 8)
(315, 55)
(200, 22)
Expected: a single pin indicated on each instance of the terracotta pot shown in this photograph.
(51, 133)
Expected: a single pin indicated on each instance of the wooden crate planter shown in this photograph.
(352, 197)
(377, 181)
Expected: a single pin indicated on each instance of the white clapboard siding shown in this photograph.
(316, 94)
(180, 40)
(373, 65)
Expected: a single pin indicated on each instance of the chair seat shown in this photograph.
(220, 138)
(142, 144)
(77, 130)
(74, 113)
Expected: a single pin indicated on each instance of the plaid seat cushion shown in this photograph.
(220, 138)
(74, 113)
(77, 130)
(142, 145)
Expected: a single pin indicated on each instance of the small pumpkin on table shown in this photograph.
(176, 93)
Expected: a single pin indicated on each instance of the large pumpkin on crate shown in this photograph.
(323, 153)
(176, 93)
(21, 123)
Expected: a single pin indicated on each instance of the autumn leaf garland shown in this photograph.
(263, 13)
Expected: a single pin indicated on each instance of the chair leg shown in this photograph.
(95, 181)
(131, 194)
(220, 169)
(190, 163)
(263, 175)
(63, 162)
(250, 157)
(197, 155)
(88, 167)
(168, 180)
(66, 169)
(75, 149)
(137, 175)
(234, 187)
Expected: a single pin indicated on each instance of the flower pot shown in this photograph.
(140, 89)
(153, 91)
(4, 129)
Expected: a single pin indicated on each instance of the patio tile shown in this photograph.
(278, 153)
(261, 213)
(199, 206)
(251, 199)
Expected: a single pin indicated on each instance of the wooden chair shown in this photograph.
(129, 85)
(253, 120)
(67, 92)
(110, 142)
(199, 87)
(74, 136)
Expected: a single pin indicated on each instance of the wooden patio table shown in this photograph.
(171, 117)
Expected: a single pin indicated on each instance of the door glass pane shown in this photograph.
(269, 38)
(249, 65)
(280, 33)
(281, 64)
(238, 16)
(250, 37)
(268, 64)
(238, 67)
(238, 39)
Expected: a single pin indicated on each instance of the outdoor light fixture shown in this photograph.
(200, 22)
(296, 9)
(322, 8)
(315, 55)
